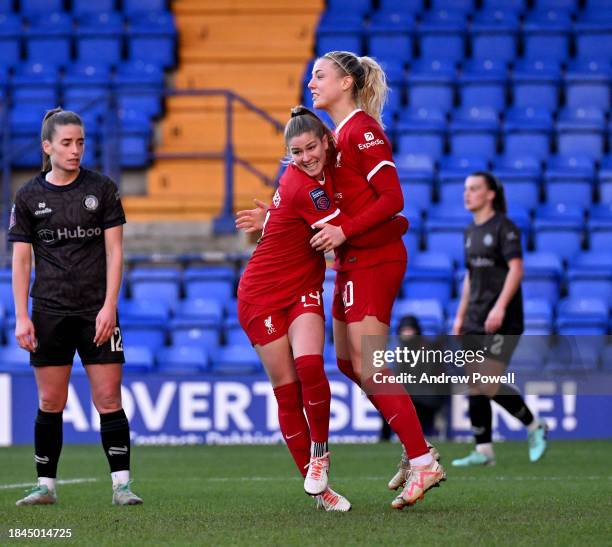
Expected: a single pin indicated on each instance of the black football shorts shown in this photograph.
(498, 347)
(60, 336)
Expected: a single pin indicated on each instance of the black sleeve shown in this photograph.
(20, 222)
(466, 251)
(113, 214)
(510, 240)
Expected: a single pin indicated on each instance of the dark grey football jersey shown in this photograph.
(65, 225)
(488, 249)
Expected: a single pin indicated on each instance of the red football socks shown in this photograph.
(293, 424)
(315, 395)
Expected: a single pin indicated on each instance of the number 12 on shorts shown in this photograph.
(116, 341)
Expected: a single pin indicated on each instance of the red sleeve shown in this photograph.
(381, 234)
(375, 161)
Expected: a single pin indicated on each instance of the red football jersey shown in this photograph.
(284, 266)
(367, 189)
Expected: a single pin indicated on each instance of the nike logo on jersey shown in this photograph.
(287, 437)
(317, 403)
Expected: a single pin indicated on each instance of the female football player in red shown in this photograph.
(352, 90)
(280, 297)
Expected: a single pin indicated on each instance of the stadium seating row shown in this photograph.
(587, 353)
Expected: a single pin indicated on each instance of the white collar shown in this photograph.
(343, 122)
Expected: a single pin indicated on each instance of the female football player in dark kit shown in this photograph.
(490, 315)
(72, 219)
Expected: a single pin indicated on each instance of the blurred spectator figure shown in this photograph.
(430, 401)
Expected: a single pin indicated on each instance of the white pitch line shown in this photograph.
(451, 479)
(26, 484)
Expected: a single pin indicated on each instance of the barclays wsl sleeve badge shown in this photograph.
(91, 203)
(12, 218)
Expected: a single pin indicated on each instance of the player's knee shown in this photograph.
(52, 401)
(107, 401)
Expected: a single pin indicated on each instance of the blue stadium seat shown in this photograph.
(452, 174)
(49, 38)
(521, 192)
(582, 312)
(151, 336)
(600, 227)
(547, 34)
(606, 357)
(578, 352)
(587, 83)
(527, 132)
(24, 123)
(590, 276)
(569, 179)
(421, 132)
(494, 35)
(13, 359)
(99, 37)
(207, 310)
(138, 6)
(429, 312)
(542, 276)
(210, 273)
(412, 238)
(482, 83)
(530, 353)
(465, 6)
(161, 284)
(144, 312)
(429, 275)
(182, 360)
(340, 31)
(151, 38)
(417, 191)
(431, 84)
(138, 359)
(360, 7)
(139, 86)
(559, 228)
(35, 7)
(444, 230)
(197, 286)
(235, 360)
(441, 35)
(538, 313)
(10, 38)
(191, 332)
(536, 83)
(397, 6)
(569, 6)
(581, 131)
(235, 336)
(390, 36)
(605, 180)
(518, 6)
(134, 139)
(593, 31)
(473, 131)
(84, 7)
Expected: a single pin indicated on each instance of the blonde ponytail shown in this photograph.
(373, 95)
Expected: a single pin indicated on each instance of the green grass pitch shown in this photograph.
(251, 495)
